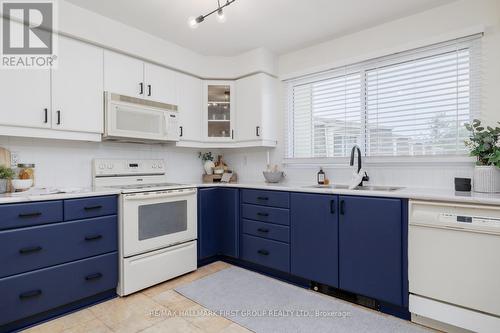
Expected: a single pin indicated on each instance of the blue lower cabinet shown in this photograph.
(266, 230)
(314, 237)
(265, 214)
(22, 215)
(31, 248)
(371, 247)
(218, 222)
(31, 293)
(76, 209)
(266, 252)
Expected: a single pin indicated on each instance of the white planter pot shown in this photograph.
(3, 185)
(486, 179)
(208, 166)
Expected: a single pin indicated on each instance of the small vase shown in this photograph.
(3, 185)
(486, 179)
(209, 167)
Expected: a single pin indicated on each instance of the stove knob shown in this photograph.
(154, 166)
(110, 166)
(101, 166)
(160, 166)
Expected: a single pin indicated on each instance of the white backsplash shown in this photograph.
(68, 163)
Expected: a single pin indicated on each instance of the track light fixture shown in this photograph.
(193, 22)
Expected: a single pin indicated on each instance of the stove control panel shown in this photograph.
(108, 167)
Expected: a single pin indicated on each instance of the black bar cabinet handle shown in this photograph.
(263, 252)
(149, 90)
(232, 134)
(92, 207)
(30, 249)
(93, 237)
(332, 206)
(46, 115)
(262, 214)
(93, 276)
(30, 294)
(262, 230)
(58, 117)
(262, 198)
(34, 214)
(342, 207)
(182, 131)
(257, 130)
(141, 88)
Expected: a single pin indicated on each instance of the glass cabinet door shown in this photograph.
(219, 115)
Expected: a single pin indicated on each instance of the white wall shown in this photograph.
(68, 163)
(442, 23)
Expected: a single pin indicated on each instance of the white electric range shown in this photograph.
(157, 222)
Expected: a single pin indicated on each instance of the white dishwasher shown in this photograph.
(454, 264)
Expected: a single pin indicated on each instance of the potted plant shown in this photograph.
(5, 175)
(484, 144)
(208, 162)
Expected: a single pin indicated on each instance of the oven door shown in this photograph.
(155, 220)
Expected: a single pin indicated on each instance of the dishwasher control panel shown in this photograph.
(471, 220)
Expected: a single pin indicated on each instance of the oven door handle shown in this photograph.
(159, 196)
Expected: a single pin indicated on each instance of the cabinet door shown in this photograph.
(123, 75)
(314, 237)
(190, 110)
(370, 247)
(77, 87)
(160, 84)
(228, 227)
(219, 110)
(25, 96)
(250, 90)
(208, 217)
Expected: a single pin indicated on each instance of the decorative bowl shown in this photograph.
(21, 184)
(273, 176)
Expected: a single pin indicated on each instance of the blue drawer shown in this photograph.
(23, 250)
(35, 292)
(266, 198)
(266, 252)
(266, 214)
(76, 209)
(266, 230)
(27, 214)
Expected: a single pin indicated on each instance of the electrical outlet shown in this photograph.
(14, 158)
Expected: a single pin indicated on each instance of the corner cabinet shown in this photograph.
(257, 110)
(219, 111)
(190, 96)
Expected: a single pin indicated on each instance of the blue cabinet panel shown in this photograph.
(266, 252)
(370, 247)
(218, 222)
(76, 209)
(314, 237)
(266, 214)
(26, 249)
(266, 198)
(34, 292)
(27, 214)
(266, 230)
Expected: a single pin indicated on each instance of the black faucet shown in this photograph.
(353, 151)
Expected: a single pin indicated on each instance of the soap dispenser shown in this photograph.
(321, 176)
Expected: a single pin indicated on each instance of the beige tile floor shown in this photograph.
(157, 309)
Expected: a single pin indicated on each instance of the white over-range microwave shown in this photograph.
(133, 119)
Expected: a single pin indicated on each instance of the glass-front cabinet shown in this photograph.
(219, 110)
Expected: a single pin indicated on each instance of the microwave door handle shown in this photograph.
(158, 196)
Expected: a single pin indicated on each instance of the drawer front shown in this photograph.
(34, 292)
(23, 250)
(27, 214)
(266, 214)
(266, 198)
(266, 230)
(76, 209)
(266, 252)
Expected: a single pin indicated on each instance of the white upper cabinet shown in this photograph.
(256, 107)
(159, 84)
(190, 96)
(219, 111)
(77, 87)
(123, 75)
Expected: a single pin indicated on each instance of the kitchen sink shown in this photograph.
(357, 188)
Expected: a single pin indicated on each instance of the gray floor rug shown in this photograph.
(263, 304)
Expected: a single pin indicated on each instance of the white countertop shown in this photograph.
(406, 193)
(42, 195)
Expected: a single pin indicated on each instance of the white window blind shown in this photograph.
(407, 104)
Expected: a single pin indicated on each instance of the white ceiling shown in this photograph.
(278, 25)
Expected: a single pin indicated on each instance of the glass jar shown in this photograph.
(26, 171)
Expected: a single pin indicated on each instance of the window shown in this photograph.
(409, 104)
